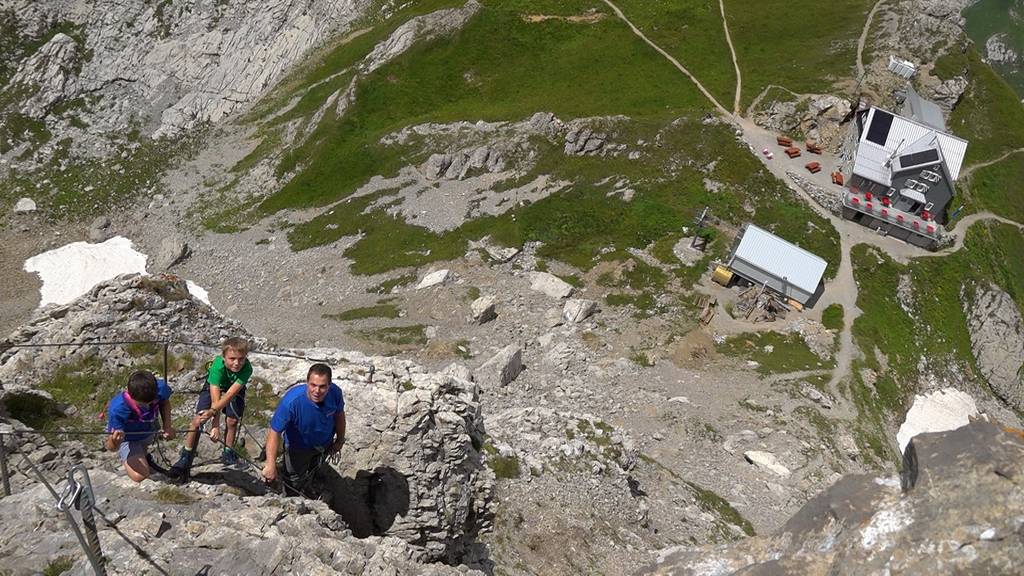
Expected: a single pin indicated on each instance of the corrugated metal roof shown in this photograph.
(925, 111)
(901, 67)
(780, 258)
(902, 133)
(870, 163)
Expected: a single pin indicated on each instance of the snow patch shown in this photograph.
(198, 292)
(946, 409)
(73, 269)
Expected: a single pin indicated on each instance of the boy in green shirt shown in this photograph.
(224, 392)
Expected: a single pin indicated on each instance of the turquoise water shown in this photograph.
(987, 18)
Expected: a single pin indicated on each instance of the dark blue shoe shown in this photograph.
(228, 457)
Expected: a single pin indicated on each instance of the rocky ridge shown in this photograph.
(164, 67)
(955, 508)
(997, 340)
(412, 469)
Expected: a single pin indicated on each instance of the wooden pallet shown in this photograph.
(793, 152)
(812, 147)
(784, 141)
(813, 167)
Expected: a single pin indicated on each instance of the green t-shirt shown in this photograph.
(219, 376)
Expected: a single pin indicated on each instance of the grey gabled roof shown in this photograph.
(878, 146)
(780, 258)
(925, 111)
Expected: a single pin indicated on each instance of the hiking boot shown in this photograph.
(228, 457)
(182, 467)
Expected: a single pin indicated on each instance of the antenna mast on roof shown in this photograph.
(895, 151)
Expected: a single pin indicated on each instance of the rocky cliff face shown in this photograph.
(412, 480)
(184, 531)
(154, 68)
(956, 509)
(997, 340)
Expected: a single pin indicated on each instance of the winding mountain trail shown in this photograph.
(843, 291)
(735, 62)
(843, 288)
(669, 57)
(864, 38)
(966, 172)
(759, 97)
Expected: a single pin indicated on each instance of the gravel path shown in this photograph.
(735, 62)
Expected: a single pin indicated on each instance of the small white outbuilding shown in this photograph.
(762, 257)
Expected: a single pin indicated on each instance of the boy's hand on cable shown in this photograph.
(116, 437)
(167, 433)
(207, 415)
(215, 433)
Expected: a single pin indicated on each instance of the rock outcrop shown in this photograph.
(127, 308)
(167, 67)
(426, 27)
(411, 469)
(956, 509)
(997, 340)
(184, 532)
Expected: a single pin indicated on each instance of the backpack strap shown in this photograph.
(132, 404)
(136, 410)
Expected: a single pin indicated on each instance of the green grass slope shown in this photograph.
(802, 46)
(692, 32)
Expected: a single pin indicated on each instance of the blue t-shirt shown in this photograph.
(137, 426)
(304, 423)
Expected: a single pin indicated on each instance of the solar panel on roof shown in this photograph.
(918, 158)
(878, 131)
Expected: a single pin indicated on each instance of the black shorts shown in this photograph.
(301, 463)
(235, 409)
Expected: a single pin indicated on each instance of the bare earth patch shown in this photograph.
(584, 18)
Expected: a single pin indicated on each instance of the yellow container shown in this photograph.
(722, 275)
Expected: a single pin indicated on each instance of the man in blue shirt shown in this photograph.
(311, 417)
(131, 421)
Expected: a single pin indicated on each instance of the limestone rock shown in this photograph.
(99, 230)
(436, 166)
(948, 93)
(502, 368)
(550, 284)
(425, 27)
(998, 52)
(584, 142)
(129, 307)
(411, 470)
(501, 254)
(435, 278)
(169, 67)
(959, 512)
(482, 310)
(456, 370)
(24, 206)
(577, 310)
(49, 74)
(766, 461)
(171, 251)
(997, 340)
(259, 535)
